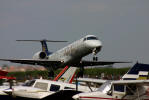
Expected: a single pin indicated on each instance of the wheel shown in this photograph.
(95, 58)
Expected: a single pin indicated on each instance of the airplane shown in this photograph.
(133, 86)
(3, 75)
(41, 88)
(66, 75)
(70, 55)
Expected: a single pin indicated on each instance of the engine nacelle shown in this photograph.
(40, 55)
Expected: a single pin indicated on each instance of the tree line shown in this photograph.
(90, 72)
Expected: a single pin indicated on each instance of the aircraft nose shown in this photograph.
(8, 91)
(76, 97)
(94, 44)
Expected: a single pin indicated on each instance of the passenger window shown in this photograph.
(119, 88)
(29, 83)
(54, 87)
(41, 85)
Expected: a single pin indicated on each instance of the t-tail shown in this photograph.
(45, 47)
(66, 75)
(137, 72)
(44, 44)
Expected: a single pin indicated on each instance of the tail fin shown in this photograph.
(45, 47)
(3, 73)
(66, 75)
(44, 44)
(137, 72)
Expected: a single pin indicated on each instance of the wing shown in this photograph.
(46, 62)
(34, 62)
(131, 82)
(90, 80)
(96, 63)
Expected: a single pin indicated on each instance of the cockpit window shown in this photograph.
(29, 83)
(92, 38)
(119, 88)
(54, 87)
(84, 39)
(41, 85)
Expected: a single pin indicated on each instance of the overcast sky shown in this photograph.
(121, 25)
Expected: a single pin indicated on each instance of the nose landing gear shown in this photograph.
(95, 58)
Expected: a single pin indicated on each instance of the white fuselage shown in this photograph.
(43, 88)
(77, 50)
(140, 93)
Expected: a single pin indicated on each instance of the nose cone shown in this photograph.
(94, 44)
(8, 91)
(76, 97)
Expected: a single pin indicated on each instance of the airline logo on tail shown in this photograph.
(137, 72)
(44, 47)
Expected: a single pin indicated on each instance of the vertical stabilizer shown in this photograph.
(44, 44)
(45, 47)
(3, 73)
(137, 72)
(66, 75)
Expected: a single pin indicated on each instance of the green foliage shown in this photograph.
(29, 74)
(89, 71)
(106, 71)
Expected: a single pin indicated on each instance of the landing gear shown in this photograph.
(95, 58)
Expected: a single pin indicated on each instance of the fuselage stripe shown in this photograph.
(101, 98)
(60, 74)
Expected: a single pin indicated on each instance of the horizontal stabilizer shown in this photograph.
(91, 80)
(42, 40)
(96, 63)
